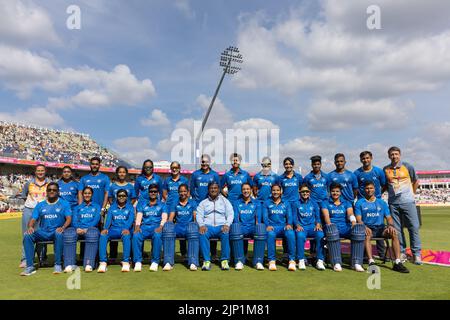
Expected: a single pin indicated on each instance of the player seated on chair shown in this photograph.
(85, 219)
(247, 224)
(181, 224)
(306, 214)
(55, 216)
(150, 219)
(118, 225)
(373, 211)
(215, 216)
(340, 222)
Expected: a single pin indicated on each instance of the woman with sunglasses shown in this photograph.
(307, 223)
(68, 187)
(85, 220)
(145, 179)
(118, 224)
(264, 180)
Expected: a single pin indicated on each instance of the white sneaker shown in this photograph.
(358, 268)
(153, 267)
(292, 266)
(167, 267)
(88, 268)
(102, 267)
(259, 266)
(193, 267)
(418, 260)
(125, 267)
(337, 267)
(272, 266)
(320, 265)
(68, 269)
(137, 267)
(239, 266)
(301, 264)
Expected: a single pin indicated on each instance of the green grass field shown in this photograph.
(424, 282)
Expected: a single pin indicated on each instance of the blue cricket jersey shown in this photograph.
(86, 215)
(376, 175)
(99, 183)
(171, 186)
(234, 183)
(318, 184)
(372, 213)
(305, 213)
(290, 186)
(264, 184)
(120, 217)
(277, 214)
(51, 215)
(142, 183)
(347, 180)
(151, 214)
(337, 213)
(199, 183)
(247, 213)
(184, 213)
(114, 188)
(68, 191)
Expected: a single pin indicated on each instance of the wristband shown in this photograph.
(352, 218)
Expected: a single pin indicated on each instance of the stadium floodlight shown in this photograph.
(229, 60)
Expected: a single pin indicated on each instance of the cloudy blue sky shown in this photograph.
(137, 70)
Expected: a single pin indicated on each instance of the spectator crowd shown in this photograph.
(43, 144)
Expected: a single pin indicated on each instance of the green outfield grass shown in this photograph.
(424, 282)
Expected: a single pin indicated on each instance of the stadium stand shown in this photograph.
(43, 144)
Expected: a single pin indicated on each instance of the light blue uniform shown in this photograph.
(114, 188)
(51, 217)
(234, 182)
(348, 182)
(141, 186)
(290, 186)
(171, 186)
(118, 220)
(99, 183)
(376, 175)
(318, 184)
(151, 219)
(68, 191)
(264, 184)
(278, 216)
(307, 214)
(199, 183)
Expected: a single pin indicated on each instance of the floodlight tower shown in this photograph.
(230, 59)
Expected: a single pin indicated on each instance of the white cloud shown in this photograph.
(25, 24)
(185, 8)
(327, 115)
(157, 118)
(136, 149)
(23, 71)
(255, 123)
(36, 115)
